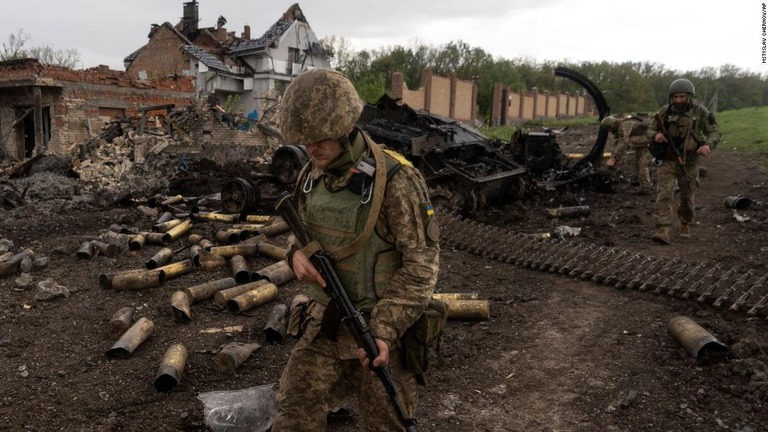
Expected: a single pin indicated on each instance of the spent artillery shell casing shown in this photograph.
(250, 299)
(468, 310)
(161, 258)
(132, 338)
(455, 296)
(85, 251)
(180, 306)
(694, 338)
(166, 226)
(277, 273)
(277, 323)
(269, 250)
(207, 290)
(179, 230)
(108, 250)
(194, 239)
(233, 355)
(206, 244)
(136, 242)
(229, 251)
(121, 321)
(275, 229)
(171, 368)
(136, 280)
(255, 219)
(172, 271)
(165, 217)
(220, 298)
(240, 269)
(194, 254)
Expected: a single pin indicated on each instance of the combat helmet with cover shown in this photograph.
(681, 85)
(319, 104)
(609, 122)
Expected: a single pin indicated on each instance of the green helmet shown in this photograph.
(609, 122)
(681, 85)
(319, 104)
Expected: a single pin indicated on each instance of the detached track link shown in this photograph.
(703, 282)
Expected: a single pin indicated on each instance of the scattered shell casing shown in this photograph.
(132, 338)
(171, 368)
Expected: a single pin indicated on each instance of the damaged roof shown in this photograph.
(262, 43)
(294, 13)
(205, 57)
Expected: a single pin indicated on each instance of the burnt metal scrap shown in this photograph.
(464, 169)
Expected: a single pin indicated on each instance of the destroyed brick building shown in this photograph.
(52, 110)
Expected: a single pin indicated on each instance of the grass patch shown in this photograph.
(744, 130)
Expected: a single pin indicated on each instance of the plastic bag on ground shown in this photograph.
(252, 409)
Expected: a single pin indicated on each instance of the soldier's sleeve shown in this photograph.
(407, 220)
(711, 130)
(653, 128)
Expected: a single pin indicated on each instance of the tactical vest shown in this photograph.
(686, 128)
(335, 220)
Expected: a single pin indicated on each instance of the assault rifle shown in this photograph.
(350, 315)
(671, 142)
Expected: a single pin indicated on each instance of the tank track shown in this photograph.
(704, 282)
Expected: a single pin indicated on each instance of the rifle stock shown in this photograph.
(671, 143)
(351, 316)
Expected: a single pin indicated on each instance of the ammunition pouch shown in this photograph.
(421, 342)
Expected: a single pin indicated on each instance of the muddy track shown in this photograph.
(704, 282)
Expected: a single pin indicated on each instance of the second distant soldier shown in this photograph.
(629, 134)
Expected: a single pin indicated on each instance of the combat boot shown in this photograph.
(684, 231)
(661, 235)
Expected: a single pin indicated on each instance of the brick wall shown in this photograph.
(443, 96)
(161, 57)
(74, 99)
(531, 105)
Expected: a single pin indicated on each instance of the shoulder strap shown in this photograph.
(379, 186)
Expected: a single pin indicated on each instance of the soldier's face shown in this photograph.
(680, 100)
(324, 152)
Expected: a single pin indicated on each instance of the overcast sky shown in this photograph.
(683, 35)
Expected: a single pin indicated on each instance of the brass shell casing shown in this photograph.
(172, 271)
(240, 269)
(233, 355)
(180, 306)
(171, 368)
(207, 290)
(252, 298)
(277, 273)
(121, 320)
(162, 257)
(132, 338)
(693, 337)
(455, 296)
(138, 280)
(221, 298)
(277, 323)
(468, 310)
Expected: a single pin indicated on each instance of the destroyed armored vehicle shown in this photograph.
(464, 169)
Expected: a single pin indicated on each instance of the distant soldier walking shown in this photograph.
(683, 132)
(630, 133)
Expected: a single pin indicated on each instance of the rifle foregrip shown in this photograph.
(285, 207)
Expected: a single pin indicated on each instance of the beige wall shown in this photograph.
(535, 104)
(443, 96)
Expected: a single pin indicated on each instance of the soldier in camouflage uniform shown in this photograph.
(694, 133)
(629, 132)
(390, 278)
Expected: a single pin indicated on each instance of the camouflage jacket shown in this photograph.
(630, 132)
(404, 223)
(691, 128)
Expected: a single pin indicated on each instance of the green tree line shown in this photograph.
(627, 87)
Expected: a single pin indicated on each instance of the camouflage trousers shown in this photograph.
(687, 180)
(639, 163)
(321, 372)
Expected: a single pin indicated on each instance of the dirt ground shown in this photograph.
(557, 354)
